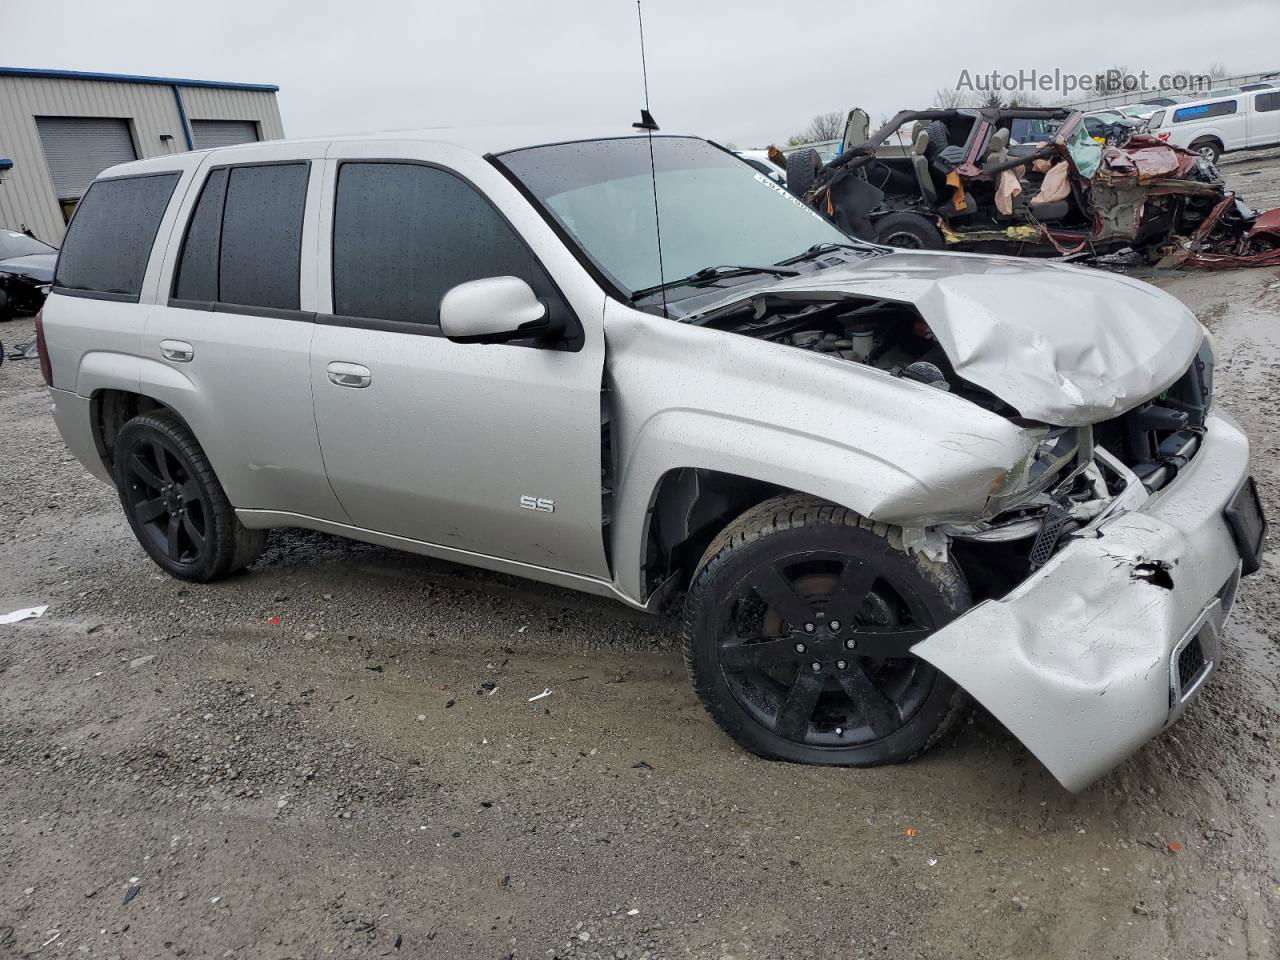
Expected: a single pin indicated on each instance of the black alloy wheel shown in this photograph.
(174, 502)
(817, 648)
(799, 629)
(169, 508)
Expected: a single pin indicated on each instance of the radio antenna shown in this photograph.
(648, 124)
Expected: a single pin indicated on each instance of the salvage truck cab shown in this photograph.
(881, 481)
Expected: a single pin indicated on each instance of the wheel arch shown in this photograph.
(688, 507)
(111, 408)
(1210, 137)
(693, 469)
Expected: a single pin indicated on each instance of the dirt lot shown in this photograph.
(335, 755)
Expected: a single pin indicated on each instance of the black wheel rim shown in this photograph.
(907, 241)
(816, 648)
(167, 504)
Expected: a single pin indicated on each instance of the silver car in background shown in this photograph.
(879, 480)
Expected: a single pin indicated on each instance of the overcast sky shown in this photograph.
(738, 71)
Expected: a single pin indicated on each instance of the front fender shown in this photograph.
(894, 451)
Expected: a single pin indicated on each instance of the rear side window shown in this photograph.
(198, 268)
(1204, 111)
(404, 234)
(244, 242)
(109, 242)
(1267, 102)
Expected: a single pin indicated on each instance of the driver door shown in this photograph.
(489, 449)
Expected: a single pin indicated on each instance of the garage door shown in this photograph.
(222, 133)
(77, 149)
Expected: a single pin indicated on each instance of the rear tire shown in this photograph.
(908, 231)
(782, 603)
(1208, 148)
(802, 169)
(175, 504)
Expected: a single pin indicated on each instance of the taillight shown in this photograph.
(1163, 136)
(46, 368)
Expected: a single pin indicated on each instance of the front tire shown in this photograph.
(797, 629)
(175, 504)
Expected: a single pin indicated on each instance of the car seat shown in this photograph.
(920, 161)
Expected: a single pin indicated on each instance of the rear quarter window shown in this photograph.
(1267, 102)
(107, 247)
(1203, 111)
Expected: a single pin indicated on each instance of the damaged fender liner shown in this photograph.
(1076, 661)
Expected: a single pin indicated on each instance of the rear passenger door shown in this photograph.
(1264, 119)
(232, 330)
(491, 449)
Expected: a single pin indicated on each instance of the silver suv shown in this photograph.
(879, 479)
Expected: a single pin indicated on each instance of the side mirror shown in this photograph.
(494, 310)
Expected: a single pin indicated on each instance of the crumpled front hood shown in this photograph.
(1064, 345)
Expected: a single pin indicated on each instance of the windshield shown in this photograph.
(715, 210)
(14, 244)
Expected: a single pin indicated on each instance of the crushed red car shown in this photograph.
(1030, 182)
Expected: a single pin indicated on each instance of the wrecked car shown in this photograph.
(882, 481)
(26, 271)
(1026, 182)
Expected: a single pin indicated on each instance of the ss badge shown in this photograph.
(538, 503)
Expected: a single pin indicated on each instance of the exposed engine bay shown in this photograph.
(1078, 475)
(885, 334)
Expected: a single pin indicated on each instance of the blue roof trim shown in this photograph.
(130, 78)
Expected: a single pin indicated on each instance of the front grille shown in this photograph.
(1158, 438)
(1190, 663)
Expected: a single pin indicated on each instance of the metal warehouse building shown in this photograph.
(60, 128)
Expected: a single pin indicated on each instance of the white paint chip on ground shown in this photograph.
(28, 613)
(544, 693)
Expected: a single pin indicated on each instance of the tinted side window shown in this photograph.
(1222, 108)
(404, 234)
(1266, 102)
(198, 268)
(262, 236)
(107, 248)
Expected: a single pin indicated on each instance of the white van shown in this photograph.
(1218, 125)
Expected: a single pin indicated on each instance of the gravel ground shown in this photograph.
(335, 755)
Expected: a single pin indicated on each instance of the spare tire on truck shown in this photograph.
(802, 169)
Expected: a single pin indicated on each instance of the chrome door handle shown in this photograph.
(349, 374)
(179, 351)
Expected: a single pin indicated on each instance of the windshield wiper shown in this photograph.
(820, 248)
(715, 273)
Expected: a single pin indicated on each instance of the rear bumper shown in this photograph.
(1103, 647)
(74, 418)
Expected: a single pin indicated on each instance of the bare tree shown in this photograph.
(1111, 80)
(992, 100)
(945, 99)
(825, 126)
(1025, 100)
(1218, 70)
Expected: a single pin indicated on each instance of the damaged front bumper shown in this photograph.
(1102, 648)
